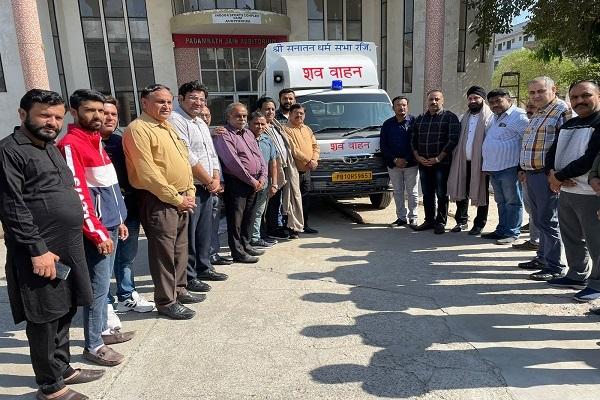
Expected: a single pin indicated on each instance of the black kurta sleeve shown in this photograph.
(18, 221)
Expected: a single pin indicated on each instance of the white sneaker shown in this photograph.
(112, 319)
(136, 303)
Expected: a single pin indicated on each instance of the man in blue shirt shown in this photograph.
(403, 170)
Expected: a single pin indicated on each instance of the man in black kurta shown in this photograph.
(42, 217)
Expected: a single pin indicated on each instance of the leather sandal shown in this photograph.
(83, 376)
(70, 394)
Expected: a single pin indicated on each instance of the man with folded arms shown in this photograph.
(41, 217)
(568, 164)
(245, 172)
(157, 165)
(207, 179)
(500, 151)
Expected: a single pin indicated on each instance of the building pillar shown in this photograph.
(30, 44)
(434, 45)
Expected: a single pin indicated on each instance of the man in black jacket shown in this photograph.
(42, 217)
(435, 134)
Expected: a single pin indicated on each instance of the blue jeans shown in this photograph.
(259, 211)
(100, 268)
(125, 256)
(509, 197)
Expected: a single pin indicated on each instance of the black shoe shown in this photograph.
(279, 233)
(423, 227)
(189, 298)
(527, 246)
(525, 228)
(254, 252)
(476, 230)
(245, 259)
(196, 285)
(492, 236)
(218, 260)
(293, 235)
(544, 275)
(398, 222)
(310, 230)
(534, 264)
(212, 275)
(439, 229)
(176, 311)
(459, 228)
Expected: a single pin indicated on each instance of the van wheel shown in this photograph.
(381, 200)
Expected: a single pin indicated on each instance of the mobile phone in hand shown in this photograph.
(62, 270)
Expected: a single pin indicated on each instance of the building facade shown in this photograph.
(508, 42)
(120, 46)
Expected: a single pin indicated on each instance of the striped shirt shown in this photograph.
(502, 142)
(541, 132)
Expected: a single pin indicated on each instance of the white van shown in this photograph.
(337, 83)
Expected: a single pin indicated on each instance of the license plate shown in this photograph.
(350, 176)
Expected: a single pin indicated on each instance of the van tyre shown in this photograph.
(381, 200)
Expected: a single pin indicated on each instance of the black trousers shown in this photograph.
(273, 213)
(50, 353)
(304, 189)
(462, 206)
(240, 199)
(200, 234)
(434, 183)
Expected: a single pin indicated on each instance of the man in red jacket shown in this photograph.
(104, 213)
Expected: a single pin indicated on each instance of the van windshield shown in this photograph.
(343, 112)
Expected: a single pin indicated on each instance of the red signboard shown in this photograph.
(226, 41)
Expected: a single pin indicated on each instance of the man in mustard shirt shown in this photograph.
(157, 165)
(305, 150)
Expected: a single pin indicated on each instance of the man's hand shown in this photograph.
(522, 176)
(258, 185)
(219, 130)
(188, 204)
(312, 165)
(272, 191)
(213, 186)
(595, 183)
(422, 160)
(106, 247)
(400, 162)
(44, 265)
(554, 183)
(123, 232)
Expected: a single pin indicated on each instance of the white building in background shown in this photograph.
(506, 43)
(120, 46)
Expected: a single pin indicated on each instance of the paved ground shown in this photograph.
(357, 312)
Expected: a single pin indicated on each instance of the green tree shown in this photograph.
(529, 67)
(562, 28)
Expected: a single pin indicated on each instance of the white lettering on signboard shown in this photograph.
(237, 18)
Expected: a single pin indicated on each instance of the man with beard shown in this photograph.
(568, 163)
(500, 150)
(466, 180)
(104, 215)
(434, 137)
(287, 98)
(41, 216)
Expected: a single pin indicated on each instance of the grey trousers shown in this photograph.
(580, 233)
(544, 210)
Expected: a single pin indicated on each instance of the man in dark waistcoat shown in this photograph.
(42, 217)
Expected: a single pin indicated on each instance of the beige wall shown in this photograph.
(71, 42)
(297, 10)
(161, 42)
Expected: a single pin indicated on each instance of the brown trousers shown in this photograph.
(166, 230)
